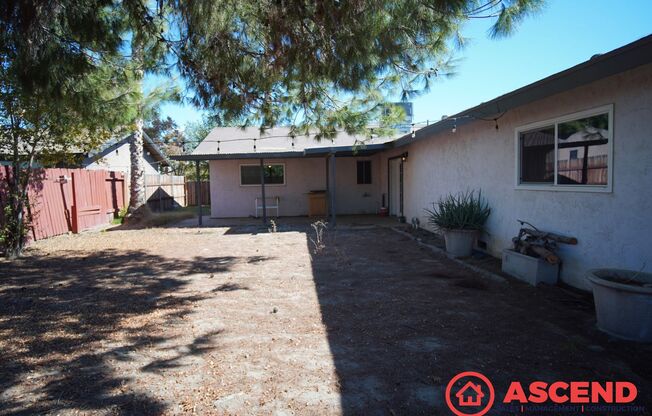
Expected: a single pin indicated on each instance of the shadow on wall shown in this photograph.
(401, 322)
(64, 320)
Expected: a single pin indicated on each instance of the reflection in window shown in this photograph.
(573, 151)
(583, 150)
(537, 155)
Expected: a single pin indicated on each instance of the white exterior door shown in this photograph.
(395, 187)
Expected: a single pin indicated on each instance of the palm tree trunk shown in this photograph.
(137, 175)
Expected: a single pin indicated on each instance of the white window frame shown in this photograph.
(258, 165)
(609, 109)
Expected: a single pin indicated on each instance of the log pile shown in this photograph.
(536, 243)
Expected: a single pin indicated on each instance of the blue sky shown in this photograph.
(564, 34)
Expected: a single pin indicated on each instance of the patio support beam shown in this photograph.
(198, 193)
(262, 189)
(331, 188)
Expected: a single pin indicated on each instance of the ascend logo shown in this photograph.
(574, 392)
(472, 394)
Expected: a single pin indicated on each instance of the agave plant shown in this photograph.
(462, 211)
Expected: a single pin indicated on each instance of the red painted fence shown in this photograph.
(63, 200)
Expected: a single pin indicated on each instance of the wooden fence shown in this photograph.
(71, 200)
(191, 193)
(594, 170)
(165, 192)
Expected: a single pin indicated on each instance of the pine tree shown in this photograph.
(329, 64)
(60, 90)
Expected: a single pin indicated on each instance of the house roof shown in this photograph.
(250, 142)
(237, 143)
(597, 67)
(148, 145)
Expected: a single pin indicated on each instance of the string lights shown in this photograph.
(413, 131)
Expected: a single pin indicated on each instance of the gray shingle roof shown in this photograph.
(235, 140)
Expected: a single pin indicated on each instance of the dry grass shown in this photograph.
(170, 217)
(238, 320)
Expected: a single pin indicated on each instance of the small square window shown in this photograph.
(364, 172)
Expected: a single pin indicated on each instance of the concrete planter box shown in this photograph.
(459, 243)
(529, 269)
(623, 309)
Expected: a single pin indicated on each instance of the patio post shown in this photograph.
(198, 193)
(262, 188)
(331, 188)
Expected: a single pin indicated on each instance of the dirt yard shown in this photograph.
(244, 321)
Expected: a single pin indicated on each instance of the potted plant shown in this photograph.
(461, 217)
(623, 302)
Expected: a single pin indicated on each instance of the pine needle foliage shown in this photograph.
(324, 64)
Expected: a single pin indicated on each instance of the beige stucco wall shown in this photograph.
(614, 229)
(230, 199)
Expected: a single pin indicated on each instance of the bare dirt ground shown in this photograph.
(243, 321)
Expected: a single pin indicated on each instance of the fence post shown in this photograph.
(75, 208)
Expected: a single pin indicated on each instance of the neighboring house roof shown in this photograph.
(598, 67)
(148, 146)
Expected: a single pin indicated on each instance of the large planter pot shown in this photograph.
(459, 243)
(623, 303)
(529, 269)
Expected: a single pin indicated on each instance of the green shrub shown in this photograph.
(462, 211)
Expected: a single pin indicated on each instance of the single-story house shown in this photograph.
(115, 155)
(571, 154)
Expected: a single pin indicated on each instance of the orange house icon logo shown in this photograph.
(476, 392)
(470, 395)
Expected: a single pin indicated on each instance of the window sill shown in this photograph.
(566, 188)
(267, 185)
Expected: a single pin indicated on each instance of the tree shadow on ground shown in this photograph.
(64, 320)
(401, 322)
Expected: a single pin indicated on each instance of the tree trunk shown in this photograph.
(14, 212)
(137, 178)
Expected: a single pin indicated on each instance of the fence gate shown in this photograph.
(71, 200)
(165, 192)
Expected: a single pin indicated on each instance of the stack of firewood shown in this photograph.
(536, 243)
